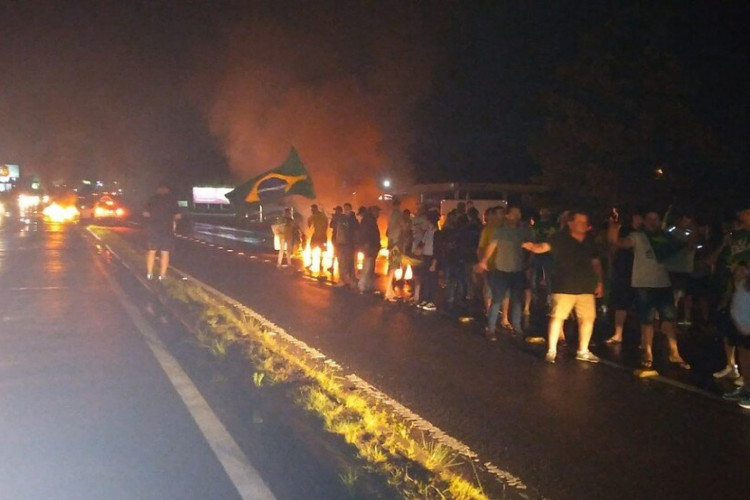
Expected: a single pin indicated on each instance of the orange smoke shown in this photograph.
(333, 85)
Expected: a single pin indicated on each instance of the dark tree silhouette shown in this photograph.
(620, 129)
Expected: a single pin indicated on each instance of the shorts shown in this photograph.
(584, 304)
(655, 299)
(161, 242)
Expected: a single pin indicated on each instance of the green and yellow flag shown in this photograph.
(291, 177)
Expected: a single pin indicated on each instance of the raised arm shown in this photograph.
(613, 236)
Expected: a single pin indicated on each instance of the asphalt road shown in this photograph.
(569, 430)
(86, 410)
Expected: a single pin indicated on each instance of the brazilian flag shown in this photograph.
(291, 177)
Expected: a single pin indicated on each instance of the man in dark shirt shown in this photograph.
(161, 218)
(344, 242)
(369, 242)
(576, 282)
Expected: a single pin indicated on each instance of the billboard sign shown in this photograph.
(9, 172)
(211, 195)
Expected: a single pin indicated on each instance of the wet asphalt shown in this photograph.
(85, 410)
(569, 430)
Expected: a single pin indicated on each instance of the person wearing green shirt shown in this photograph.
(734, 250)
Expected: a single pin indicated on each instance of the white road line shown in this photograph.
(36, 288)
(245, 478)
(405, 413)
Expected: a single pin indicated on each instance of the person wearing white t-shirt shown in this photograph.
(681, 266)
(650, 280)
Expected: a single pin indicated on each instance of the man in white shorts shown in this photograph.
(576, 282)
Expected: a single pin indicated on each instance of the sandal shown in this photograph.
(613, 341)
(680, 363)
(506, 326)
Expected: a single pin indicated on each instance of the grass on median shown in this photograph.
(414, 464)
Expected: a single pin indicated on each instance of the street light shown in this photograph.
(386, 183)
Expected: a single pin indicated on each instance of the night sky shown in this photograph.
(427, 91)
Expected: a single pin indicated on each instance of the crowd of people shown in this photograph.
(511, 262)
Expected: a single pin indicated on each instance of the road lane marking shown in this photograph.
(241, 473)
(36, 288)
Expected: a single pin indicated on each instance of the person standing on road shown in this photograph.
(395, 233)
(734, 250)
(344, 244)
(739, 321)
(337, 214)
(652, 246)
(284, 229)
(318, 222)
(298, 235)
(510, 262)
(622, 295)
(419, 226)
(161, 214)
(576, 282)
(541, 267)
(493, 218)
(369, 242)
(468, 240)
(681, 266)
(427, 268)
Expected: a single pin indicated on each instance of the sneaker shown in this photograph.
(729, 371)
(149, 276)
(739, 381)
(550, 357)
(429, 307)
(744, 402)
(422, 304)
(162, 278)
(736, 394)
(587, 356)
(490, 335)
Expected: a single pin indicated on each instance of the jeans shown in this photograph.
(456, 281)
(367, 280)
(345, 255)
(502, 282)
(429, 279)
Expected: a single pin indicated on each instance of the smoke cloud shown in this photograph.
(338, 83)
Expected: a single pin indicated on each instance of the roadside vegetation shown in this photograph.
(414, 464)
